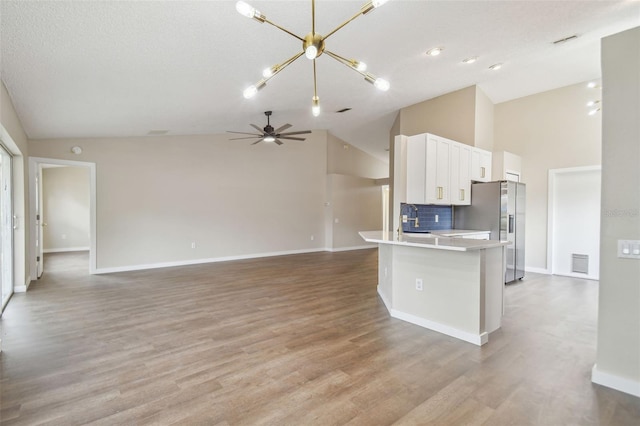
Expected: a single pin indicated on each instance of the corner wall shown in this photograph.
(17, 145)
(618, 357)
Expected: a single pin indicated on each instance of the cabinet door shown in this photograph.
(437, 170)
(416, 169)
(463, 196)
(480, 165)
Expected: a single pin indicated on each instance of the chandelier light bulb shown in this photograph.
(245, 9)
(360, 66)
(268, 72)
(378, 3)
(250, 92)
(311, 52)
(315, 109)
(381, 84)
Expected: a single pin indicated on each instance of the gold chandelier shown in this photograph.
(313, 45)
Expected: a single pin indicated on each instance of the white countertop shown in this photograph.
(431, 241)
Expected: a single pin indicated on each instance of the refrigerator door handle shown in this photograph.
(510, 224)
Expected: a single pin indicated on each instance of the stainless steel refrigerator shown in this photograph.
(500, 208)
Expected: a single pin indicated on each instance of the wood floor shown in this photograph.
(291, 340)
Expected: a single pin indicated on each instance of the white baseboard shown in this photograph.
(200, 261)
(583, 276)
(23, 288)
(333, 250)
(64, 250)
(615, 382)
(537, 270)
(478, 340)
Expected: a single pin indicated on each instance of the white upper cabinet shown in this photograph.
(440, 171)
(460, 174)
(480, 165)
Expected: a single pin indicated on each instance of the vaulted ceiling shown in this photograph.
(125, 68)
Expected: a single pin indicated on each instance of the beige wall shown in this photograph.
(484, 120)
(356, 205)
(157, 195)
(549, 130)
(619, 299)
(346, 159)
(451, 116)
(17, 145)
(65, 208)
(354, 200)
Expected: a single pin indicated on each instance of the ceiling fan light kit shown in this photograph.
(313, 45)
(269, 134)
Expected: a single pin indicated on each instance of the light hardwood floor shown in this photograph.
(291, 340)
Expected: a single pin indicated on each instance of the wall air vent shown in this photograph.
(566, 39)
(343, 110)
(580, 263)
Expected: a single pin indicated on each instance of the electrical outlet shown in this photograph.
(419, 284)
(193, 245)
(436, 218)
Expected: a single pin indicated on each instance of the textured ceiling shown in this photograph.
(124, 68)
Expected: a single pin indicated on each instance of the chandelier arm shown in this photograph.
(342, 25)
(345, 62)
(313, 17)
(283, 29)
(278, 68)
(315, 81)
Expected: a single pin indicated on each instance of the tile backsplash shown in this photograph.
(427, 217)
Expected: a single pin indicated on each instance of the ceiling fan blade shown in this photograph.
(301, 132)
(290, 138)
(279, 142)
(258, 141)
(246, 133)
(279, 129)
(250, 137)
(257, 128)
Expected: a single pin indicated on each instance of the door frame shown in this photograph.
(553, 173)
(34, 167)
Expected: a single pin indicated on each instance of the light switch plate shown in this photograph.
(629, 249)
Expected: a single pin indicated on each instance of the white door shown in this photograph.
(39, 224)
(576, 223)
(6, 227)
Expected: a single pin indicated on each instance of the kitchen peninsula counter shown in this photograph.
(454, 286)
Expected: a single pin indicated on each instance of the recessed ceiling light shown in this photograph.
(495, 67)
(592, 84)
(594, 111)
(592, 103)
(435, 51)
(470, 60)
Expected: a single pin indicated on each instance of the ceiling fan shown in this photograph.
(269, 134)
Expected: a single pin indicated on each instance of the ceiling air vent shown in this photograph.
(566, 39)
(343, 110)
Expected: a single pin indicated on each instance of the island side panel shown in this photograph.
(451, 294)
(385, 274)
(493, 283)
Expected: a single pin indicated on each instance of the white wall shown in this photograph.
(65, 208)
(549, 130)
(576, 220)
(618, 358)
(158, 195)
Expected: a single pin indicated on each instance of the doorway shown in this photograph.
(574, 222)
(37, 220)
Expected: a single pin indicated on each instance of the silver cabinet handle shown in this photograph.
(440, 193)
(462, 195)
(482, 172)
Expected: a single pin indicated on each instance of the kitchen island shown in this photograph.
(454, 286)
